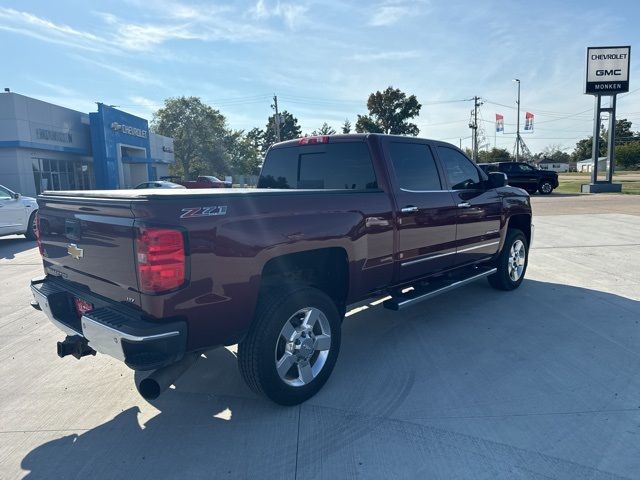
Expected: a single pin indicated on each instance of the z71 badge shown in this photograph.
(203, 211)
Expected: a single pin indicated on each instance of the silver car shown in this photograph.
(17, 214)
(159, 184)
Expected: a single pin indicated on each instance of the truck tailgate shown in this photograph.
(90, 243)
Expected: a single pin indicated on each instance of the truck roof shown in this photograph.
(353, 137)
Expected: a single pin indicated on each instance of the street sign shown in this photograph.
(607, 70)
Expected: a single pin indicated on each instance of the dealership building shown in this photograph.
(48, 147)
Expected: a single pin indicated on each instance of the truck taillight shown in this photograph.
(38, 238)
(161, 259)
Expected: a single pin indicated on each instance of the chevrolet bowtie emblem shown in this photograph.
(74, 251)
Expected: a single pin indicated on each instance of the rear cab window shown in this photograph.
(414, 166)
(328, 166)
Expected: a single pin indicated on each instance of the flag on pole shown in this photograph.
(528, 122)
(499, 123)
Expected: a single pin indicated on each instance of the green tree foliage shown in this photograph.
(628, 155)
(553, 152)
(245, 151)
(325, 129)
(390, 112)
(494, 155)
(346, 126)
(200, 136)
(624, 135)
(289, 129)
(584, 147)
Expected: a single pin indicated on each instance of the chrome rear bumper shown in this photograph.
(141, 344)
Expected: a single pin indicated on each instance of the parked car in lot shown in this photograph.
(523, 175)
(17, 214)
(203, 181)
(153, 278)
(159, 184)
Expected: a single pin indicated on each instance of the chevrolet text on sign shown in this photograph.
(607, 70)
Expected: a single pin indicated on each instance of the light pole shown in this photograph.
(518, 123)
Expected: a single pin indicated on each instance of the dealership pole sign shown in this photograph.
(607, 70)
(607, 75)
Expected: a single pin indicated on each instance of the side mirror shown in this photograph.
(16, 196)
(497, 179)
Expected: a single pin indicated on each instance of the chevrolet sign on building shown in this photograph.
(50, 147)
(607, 70)
(129, 130)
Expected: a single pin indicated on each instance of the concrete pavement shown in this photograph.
(543, 382)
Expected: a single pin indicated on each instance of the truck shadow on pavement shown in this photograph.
(545, 349)
(11, 246)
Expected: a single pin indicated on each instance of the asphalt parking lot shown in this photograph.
(543, 382)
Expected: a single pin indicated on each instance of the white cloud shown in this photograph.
(119, 36)
(127, 73)
(388, 15)
(293, 14)
(27, 24)
(58, 89)
(392, 11)
(382, 56)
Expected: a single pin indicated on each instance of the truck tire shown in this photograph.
(31, 227)
(292, 345)
(545, 187)
(512, 262)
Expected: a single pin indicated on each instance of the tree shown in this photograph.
(553, 152)
(628, 155)
(200, 136)
(389, 112)
(624, 135)
(346, 126)
(289, 129)
(584, 149)
(245, 151)
(494, 155)
(325, 129)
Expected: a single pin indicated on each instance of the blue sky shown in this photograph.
(323, 58)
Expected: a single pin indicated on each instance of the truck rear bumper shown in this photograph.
(111, 328)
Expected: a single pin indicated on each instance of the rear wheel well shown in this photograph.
(523, 223)
(326, 269)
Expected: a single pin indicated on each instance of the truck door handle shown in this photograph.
(464, 205)
(409, 209)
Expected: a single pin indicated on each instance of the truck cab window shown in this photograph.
(462, 173)
(339, 166)
(414, 166)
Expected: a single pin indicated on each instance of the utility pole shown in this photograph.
(518, 123)
(473, 125)
(276, 118)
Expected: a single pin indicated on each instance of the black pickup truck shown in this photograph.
(154, 277)
(523, 175)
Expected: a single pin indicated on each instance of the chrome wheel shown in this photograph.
(303, 346)
(546, 188)
(517, 259)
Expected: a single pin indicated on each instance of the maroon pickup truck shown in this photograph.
(155, 277)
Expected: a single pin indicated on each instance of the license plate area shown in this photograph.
(81, 306)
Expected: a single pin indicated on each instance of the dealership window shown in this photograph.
(51, 174)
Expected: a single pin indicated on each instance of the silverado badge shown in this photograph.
(74, 251)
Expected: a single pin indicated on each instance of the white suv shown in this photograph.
(17, 214)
